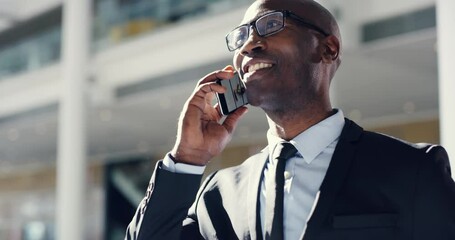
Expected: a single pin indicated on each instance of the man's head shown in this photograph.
(290, 68)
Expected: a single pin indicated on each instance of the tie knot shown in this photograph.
(284, 150)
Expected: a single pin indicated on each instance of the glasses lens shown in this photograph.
(270, 23)
(237, 37)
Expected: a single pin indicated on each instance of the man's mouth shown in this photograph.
(257, 66)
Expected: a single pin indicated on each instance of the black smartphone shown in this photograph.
(234, 97)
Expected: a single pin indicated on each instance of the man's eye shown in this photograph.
(241, 35)
(273, 24)
(238, 35)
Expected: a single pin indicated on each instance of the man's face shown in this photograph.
(281, 70)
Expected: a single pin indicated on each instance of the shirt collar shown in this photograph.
(311, 142)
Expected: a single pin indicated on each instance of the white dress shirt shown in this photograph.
(303, 174)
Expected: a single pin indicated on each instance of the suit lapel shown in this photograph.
(253, 196)
(336, 173)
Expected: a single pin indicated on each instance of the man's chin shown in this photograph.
(253, 101)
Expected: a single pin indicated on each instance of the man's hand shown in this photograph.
(200, 134)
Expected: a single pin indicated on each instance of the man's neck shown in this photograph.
(289, 125)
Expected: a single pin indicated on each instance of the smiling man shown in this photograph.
(321, 175)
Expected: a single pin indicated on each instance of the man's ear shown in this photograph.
(331, 49)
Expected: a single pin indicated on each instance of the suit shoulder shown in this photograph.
(383, 141)
(374, 141)
(435, 154)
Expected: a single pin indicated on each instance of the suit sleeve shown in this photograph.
(435, 197)
(165, 206)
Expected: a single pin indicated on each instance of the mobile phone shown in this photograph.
(234, 97)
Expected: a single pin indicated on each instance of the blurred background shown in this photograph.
(145, 58)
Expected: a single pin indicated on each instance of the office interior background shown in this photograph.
(145, 58)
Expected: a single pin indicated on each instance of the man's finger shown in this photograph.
(210, 87)
(231, 120)
(226, 73)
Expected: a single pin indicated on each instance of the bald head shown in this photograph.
(307, 9)
(321, 17)
(316, 14)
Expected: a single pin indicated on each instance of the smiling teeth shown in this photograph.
(258, 66)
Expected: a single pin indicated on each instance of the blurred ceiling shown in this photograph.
(15, 11)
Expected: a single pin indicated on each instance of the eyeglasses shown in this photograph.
(266, 25)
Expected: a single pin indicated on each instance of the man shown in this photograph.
(343, 182)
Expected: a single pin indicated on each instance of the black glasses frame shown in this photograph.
(286, 14)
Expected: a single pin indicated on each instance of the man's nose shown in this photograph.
(253, 43)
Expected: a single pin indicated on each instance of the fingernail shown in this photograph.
(228, 67)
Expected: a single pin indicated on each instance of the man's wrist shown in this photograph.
(172, 165)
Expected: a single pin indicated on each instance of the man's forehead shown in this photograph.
(256, 9)
(260, 7)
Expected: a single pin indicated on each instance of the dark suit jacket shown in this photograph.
(376, 188)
